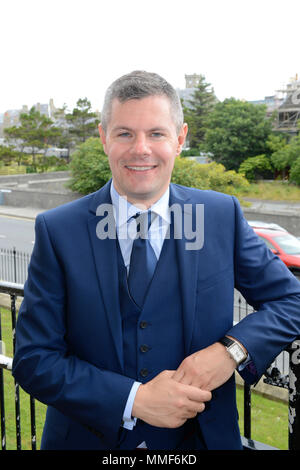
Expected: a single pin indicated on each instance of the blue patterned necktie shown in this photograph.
(142, 260)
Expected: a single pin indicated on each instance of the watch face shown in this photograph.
(237, 352)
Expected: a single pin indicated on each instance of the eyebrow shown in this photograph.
(125, 128)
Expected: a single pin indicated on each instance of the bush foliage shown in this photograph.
(89, 167)
(208, 176)
(258, 167)
(295, 172)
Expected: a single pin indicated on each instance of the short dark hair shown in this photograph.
(137, 85)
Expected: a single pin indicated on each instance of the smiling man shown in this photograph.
(130, 340)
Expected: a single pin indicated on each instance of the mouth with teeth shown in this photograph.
(140, 168)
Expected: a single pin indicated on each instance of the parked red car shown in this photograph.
(283, 244)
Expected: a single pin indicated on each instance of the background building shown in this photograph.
(11, 117)
(286, 105)
(191, 83)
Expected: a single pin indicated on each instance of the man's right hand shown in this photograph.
(166, 403)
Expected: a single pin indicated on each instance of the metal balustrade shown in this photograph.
(13, 290)
(282, 373)
(13, 265)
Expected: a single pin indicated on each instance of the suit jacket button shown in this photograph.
(144, 372)
(143, 325)
(144, 348)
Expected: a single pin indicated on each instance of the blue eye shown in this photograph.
(124, 134)
(157, 134)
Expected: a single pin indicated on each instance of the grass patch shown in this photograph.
(272, 191)
(269, 419)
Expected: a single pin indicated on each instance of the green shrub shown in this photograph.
(89, 167)
(208, 176)
(255, 167)
(295, 171)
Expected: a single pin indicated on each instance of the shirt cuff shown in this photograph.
(245, 363)
(128, 421)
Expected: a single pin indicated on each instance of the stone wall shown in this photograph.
(36, 190)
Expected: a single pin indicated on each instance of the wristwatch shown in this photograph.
(234, 349)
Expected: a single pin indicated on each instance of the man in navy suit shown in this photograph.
(121, 370)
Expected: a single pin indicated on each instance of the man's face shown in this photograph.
(141, 143)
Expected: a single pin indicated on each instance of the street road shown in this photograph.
(16, 232)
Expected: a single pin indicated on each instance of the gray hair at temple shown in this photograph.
(137, 85)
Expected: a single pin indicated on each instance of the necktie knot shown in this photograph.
(143, 223)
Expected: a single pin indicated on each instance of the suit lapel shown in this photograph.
(105, 257)
(187, 260)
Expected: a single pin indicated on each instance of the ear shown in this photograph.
(181, 138)
(102, 137)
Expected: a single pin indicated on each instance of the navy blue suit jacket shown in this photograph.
(69, 351)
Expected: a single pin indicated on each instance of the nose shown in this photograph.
(140, 146)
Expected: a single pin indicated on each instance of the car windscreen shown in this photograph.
(289, 244)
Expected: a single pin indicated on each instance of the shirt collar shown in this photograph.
(124, 210)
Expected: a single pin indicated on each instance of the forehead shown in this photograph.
(151, 111)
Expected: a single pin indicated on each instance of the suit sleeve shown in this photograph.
(43, 364)
(273, 291)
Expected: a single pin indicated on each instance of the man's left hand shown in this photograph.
(206, 369)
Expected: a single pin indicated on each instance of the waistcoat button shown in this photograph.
(144, 372)
(144, 348)
(143, 325)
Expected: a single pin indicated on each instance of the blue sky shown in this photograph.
(69, 49)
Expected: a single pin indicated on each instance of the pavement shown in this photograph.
(20, 212)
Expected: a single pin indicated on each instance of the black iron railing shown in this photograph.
(273, 376)
(13, 291)
(13, 265)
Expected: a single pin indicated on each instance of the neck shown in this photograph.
(143, 203)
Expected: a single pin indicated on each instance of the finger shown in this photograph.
(197, 394)
(193, 408)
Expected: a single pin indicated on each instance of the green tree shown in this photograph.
(9, 155)
(89, 167)
(196, 112)
(276, 142)
(237, 130)
(35, 133)
(14, 136)
(286, 155)
(65, 138)
(82, 122)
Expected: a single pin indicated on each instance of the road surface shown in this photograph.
(16, 232)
